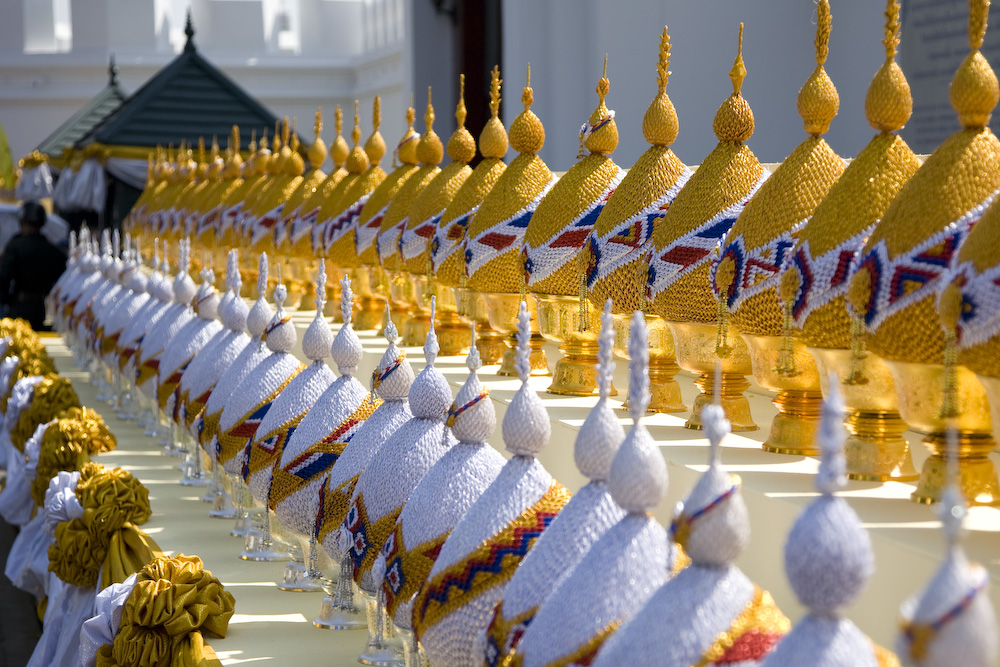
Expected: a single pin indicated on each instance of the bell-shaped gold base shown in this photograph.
(371, 305)
(694, 345)
(799, 400)
(471, 307)
(575, 373)
(452, 332)
(502, 309)
(919, 390)
(876, 450)
(665, 392)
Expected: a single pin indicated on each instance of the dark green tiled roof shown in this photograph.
(84, 120)
(187, 99)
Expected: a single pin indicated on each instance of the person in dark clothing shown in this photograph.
(29, 268)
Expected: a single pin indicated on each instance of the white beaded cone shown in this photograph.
(346, 350)
(630, 561)
(318, 338)
(828, 560)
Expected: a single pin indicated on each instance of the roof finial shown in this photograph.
(495, 82)
(112, 71)
(189, 31)
(824, 26)
(663, 64)
(739, 70)
(891, 40)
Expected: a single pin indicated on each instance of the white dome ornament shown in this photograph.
(710, 613)
(252, 354)
(442, 497)
(385, 486)
(312, 450)
(130, 305)
(391, 382)
(629, 562)
(451, 612)
(289, 408)
(828, 560)
(951, 622)
(584, 519)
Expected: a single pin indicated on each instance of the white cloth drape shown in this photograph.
(35, 183)
(101, 628)
(131, 172)
(89, 187)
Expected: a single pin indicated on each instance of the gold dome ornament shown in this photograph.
(747, 275)
(552, 244)
(903, 266)
(406, 288)
(426, 212)
(338, 229)
(614, 258)
(447, 248)
(495, 234)
(677, 280)
(815, 279)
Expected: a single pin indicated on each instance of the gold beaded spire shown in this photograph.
(734, 119)
(461, 145)
(406, 149)
(974, 91)
(317, 150)
(493, 139)
(339, 150)
(659, 124)
(429, 149)
(818, 100)
(357, 161)
(527, 135)
(888, 104)
(601, 135)
(375, 145)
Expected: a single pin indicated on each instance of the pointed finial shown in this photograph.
(189, 32)
(979, 11)
(495, 82)
(112, 71)
(156, 253)
(262, 276)
(116, 244)
(285, 130)
(318, 122)
(713, 416)
(165, 259)
(236, 137)
(377, 114)
(338, 119)
(638, 381)
(605, 350)
(522, 352)
(831, 477)
(411, 115)
(603, 86)
(390, 332)
(527, 95)
(429, 113)
(739, 70)
(431, 347)
(346, 300)
(233, 271)
(460, 111)
(824, 26)
(891, 39)
(953, 509)
(473, 361)
(663, 64)
(356, 132)
(321, 286)
(253, 140)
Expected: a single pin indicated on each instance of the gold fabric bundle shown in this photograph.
(52, 395)
(106, 540)
(174, 601)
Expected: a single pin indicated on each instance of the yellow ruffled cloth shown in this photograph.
(174, 601)
(52, 395)
(106, 541)
(67, 444)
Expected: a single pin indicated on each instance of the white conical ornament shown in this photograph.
(260, 313)
(584, 519)
(828, 561)
(710, 613)
(318, 338)
(952, 621)
(346, 350)
(630, 561)
(442, 497)
(452, 611)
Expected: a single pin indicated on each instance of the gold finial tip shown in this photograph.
(495, 82)
(824, 25)
(460, 111)
(338, 119)
(663, 64)
(739, 70)
(527, 96)
(429, 114)
(891, 39)
(318, 123)
(978, 14)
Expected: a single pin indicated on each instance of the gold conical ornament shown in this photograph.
(747, 275)
(902, 268)
(814, 282)
(370, 223)
(447, 251)
(409, 294)
(683, 244)
(421, 228)
(495, 235)
(552, 244)
(614, 258)
(338, 228)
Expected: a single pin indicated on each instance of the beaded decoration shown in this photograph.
(747, 275)
(923, 226)
(496, 233)
(621, 233)
(447, 249)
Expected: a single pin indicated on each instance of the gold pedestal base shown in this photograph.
(453, 334)
(471, 307)
(731, 398)
(799, 400)
(559, 320)
(665, 392)
(536, 359)
(502, 310)
(415, 329)
(977, 474)
(694, 345)
(875, 450)
(491, 344)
